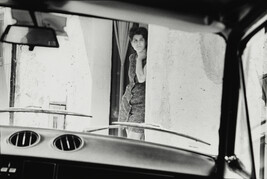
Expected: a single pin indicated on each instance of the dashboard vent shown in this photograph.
(68, 142)
(24, 138)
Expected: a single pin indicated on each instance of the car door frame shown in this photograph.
(236, 42)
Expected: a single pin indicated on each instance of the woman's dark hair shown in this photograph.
(138, 31)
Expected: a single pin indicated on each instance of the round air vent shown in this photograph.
(68, 142)
(24, 138)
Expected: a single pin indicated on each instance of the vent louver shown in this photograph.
(68, 142)
(24, 138)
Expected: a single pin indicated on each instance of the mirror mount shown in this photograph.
(31, 47)
(34, 20)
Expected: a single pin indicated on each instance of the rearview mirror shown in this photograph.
(30, 35)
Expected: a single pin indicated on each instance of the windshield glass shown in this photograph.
(168, 79)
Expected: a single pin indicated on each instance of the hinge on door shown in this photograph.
(237, 166)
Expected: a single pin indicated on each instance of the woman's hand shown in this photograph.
(141, 55)
(140, 70)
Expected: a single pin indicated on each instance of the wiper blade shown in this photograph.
(114, 127)
(146, 126)
(102, 128)
(46, 111)
(158, 128)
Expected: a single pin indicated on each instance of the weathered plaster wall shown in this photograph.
(78, 74)
(184, 83)
(98, 43)
(5, 65)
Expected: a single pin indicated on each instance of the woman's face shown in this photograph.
(138, 43)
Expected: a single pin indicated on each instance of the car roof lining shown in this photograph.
(202, 16)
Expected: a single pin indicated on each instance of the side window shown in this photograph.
(251, 122)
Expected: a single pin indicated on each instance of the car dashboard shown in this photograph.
(29, 153)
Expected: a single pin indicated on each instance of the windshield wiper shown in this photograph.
(46, 111)
(146, 126)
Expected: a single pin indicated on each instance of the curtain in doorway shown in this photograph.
(121, 30)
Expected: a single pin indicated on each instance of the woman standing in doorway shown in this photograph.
(132, 107)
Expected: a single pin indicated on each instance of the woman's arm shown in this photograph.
(140, 71)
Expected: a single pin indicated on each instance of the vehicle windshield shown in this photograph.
(80, 85)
